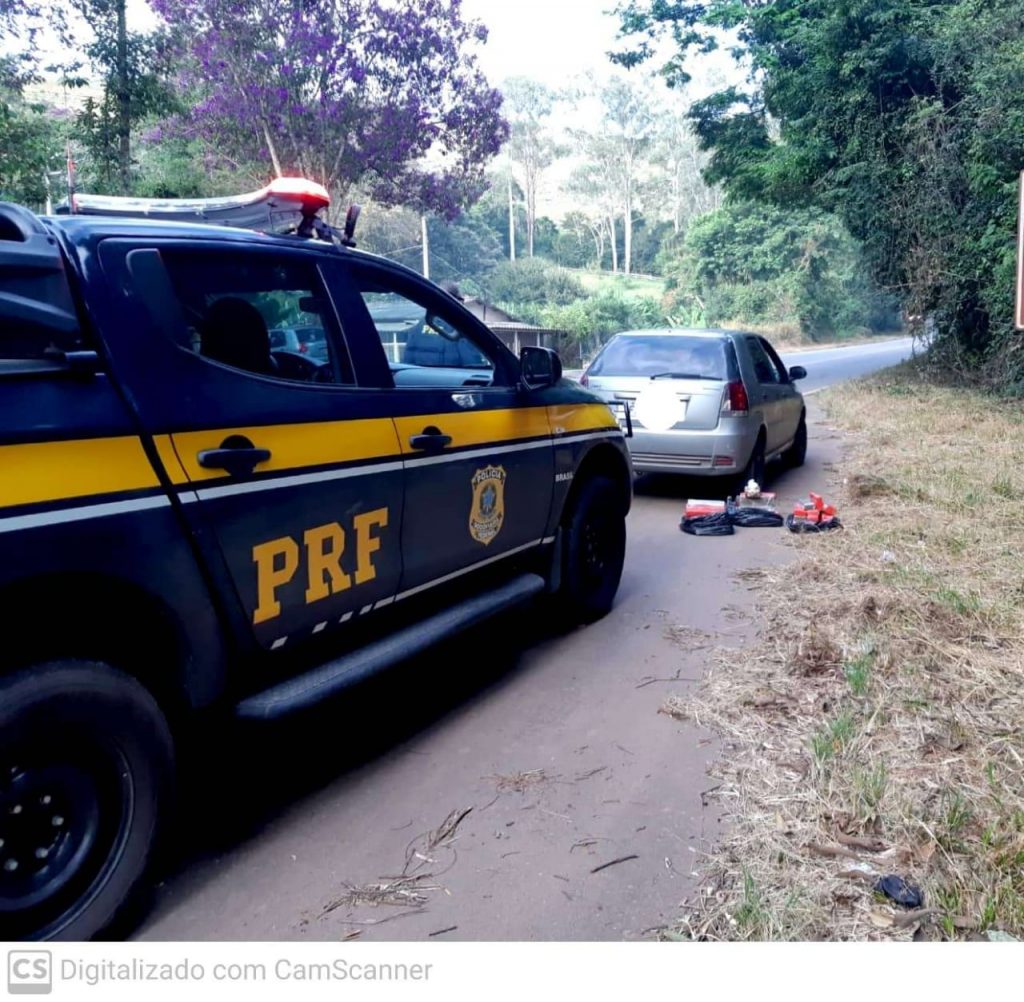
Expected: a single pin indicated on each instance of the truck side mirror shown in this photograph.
(539, 367)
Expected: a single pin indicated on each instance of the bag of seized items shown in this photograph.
(813, 515)
(720, 518)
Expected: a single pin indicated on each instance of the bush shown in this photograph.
(791, 270)
(531, 280)
(601, 316)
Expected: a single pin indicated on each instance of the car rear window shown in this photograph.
(678, 354)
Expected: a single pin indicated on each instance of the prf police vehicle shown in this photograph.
(194, 520)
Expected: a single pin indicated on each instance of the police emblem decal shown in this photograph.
(487, 512)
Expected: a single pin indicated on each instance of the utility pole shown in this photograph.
(124, 109)
(426, 246)
(511, 218)
(70, 166)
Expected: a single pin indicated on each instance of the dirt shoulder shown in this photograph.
(877, 729)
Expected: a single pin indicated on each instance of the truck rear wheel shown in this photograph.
(595, 549)
(86, 763)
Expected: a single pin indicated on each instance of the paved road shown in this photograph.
(559, 750)
(826, 366)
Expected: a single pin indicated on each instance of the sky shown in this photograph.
(548, 40)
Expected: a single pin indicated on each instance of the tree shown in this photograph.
(903, 116)
(580, 241)
(21, 22)
(129, 66)
(628, 125)
(614, 158)
(787, 268)
(679, 183)
(593, 185)
(344, 91)
(30, 150)
(530, 148)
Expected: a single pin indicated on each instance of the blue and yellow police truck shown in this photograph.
(230, 440)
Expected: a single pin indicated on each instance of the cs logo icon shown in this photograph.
(29, 972)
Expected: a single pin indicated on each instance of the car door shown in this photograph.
(282, 464)
(791, 402)
(478, 453)
(768, 393)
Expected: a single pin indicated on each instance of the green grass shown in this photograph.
(958, 602)
(956, 816)
(870, 786)
(833, 739)
(752, 917)
(858, 673)
(1003, 487)
(627, 286)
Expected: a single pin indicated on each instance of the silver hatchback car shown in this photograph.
(703, 402)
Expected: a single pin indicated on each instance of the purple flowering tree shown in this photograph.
(384, 93)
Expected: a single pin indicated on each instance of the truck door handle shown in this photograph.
(431, 440)
(237, 455)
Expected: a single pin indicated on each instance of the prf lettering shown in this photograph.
(278, 561)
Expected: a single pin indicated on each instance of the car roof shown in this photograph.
(85, 229)
(711, 333)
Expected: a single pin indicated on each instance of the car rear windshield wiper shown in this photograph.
(685, 375)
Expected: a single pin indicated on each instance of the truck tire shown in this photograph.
(86, 766)
(595, 548)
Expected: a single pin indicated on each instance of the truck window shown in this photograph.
(260, 313)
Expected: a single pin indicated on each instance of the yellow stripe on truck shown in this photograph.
(566, 418)
(51, 471)
(293, 446)
(473, 427)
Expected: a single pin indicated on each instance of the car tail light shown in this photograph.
(735, 401)
(724, 461)
(584, 380)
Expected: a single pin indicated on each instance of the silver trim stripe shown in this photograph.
(16, 522)
(300, 480)
(519, 447)
(281, 641)
(466, 570)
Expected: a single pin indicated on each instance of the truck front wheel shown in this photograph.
(86, 764)
(595, 549)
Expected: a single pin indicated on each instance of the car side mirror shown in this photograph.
(797, 372)
(539, 367)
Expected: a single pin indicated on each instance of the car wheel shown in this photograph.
(595, 549)
(798, 450)
(86, 761)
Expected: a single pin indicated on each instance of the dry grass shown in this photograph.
(519, 782)
(427, 857)
(879, 727)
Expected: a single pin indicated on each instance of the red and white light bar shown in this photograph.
(281, 205)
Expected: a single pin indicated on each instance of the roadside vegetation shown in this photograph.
(582, 209)
(901, 117)
(878, 728)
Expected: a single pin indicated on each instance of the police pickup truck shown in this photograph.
(241, 470)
